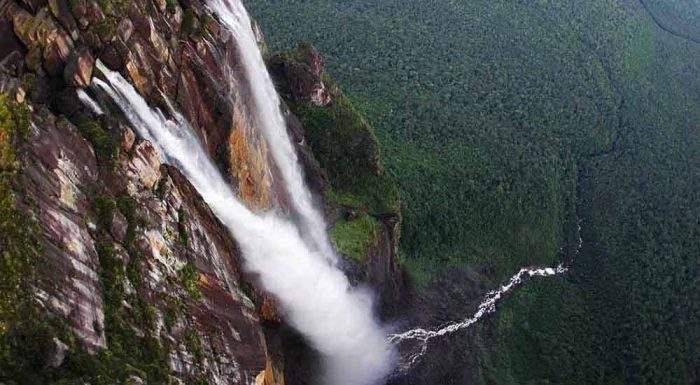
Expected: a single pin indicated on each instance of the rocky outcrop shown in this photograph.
(157, 227)
(79, 67)
(300, 74)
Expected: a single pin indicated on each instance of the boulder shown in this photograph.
(62, 13)
(124, 29)
(56, 353)
(78, 70)
(42, 31)
(87, 13)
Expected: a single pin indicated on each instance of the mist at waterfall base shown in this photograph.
(316, 297)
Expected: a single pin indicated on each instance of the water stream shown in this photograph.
(413, 344)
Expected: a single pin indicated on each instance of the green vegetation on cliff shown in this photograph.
(18, 245)
(103, 141)
(501, 120)
(30, 340)
(353, 237)
(346, 147)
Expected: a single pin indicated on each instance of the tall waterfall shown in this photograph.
(316, 297)
(269, 118)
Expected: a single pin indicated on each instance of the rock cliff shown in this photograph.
(114, 269)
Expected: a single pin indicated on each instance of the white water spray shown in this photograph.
(317, 297)
(269, 118)
(423, 336)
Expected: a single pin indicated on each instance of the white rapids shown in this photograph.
(422, 336)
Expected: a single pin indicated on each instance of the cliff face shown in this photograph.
(362, 202)
(132, 279)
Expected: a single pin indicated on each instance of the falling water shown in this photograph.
(88, 101)
(420, 337)
(316, 297)
(269, 118)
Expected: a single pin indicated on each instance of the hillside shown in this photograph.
(505, 124)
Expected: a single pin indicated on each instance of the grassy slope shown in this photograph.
(486, 112)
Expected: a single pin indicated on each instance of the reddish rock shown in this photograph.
(310, 55)
(160, 47)
(139, 69)
(78, 70)
(139, 18)
(160, 4)
(127, 139)
(269, 310)
(119, 226)
(59, 168)
(145, 164)
(62, 13)
(42, 31)
(87, 13)
(124, 29)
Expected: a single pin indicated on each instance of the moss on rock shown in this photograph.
(354, 237)
(103, 141)
(188, 276)
(14, 125)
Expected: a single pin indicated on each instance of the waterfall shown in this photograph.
(269, 119)
(89, 102)
(316, 297)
